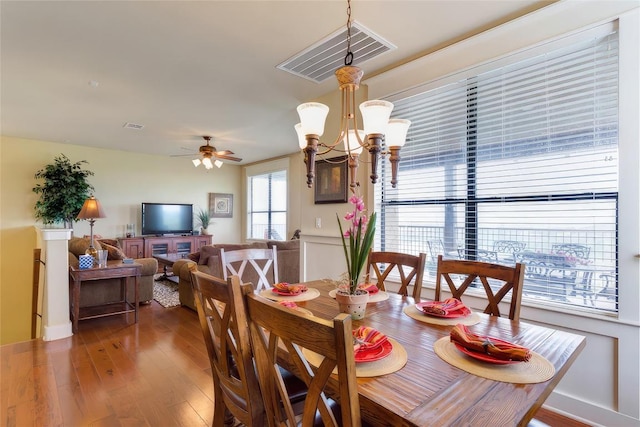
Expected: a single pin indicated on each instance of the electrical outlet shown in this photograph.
(318, 223)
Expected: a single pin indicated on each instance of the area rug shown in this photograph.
(165, 292)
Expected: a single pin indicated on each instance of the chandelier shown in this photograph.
(379, 135)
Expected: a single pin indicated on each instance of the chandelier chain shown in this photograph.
(348, 59)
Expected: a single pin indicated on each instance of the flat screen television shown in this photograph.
(167, 218)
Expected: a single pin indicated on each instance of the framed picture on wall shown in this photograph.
(331, 180)
(221, 205)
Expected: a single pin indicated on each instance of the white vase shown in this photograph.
(355, 305)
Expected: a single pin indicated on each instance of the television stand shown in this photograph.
(149, 246)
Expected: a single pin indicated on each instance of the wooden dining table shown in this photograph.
(430, 391)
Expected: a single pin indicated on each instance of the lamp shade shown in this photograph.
(218, 163)
(351, 143)
(196, 162)
(396, 134)
(312, 117)
(302, 142)
(207, 163)
(91, 209)
(375, 116)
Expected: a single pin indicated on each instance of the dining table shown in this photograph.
(427, 390)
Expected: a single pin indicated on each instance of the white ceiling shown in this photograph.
(185, 69)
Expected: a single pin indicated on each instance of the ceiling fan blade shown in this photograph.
(185, 155)
(224, 153)
(224, 157)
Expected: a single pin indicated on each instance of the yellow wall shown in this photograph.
(122, 181)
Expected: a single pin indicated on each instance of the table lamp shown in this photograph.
(91, 209)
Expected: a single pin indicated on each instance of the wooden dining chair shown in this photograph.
(276, 330)
(469, 273)
(409, 267)
(258, 266)
(226, 335)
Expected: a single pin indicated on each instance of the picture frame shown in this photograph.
(221, 205)
(330, 183)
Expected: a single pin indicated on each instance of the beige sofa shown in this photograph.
(108, 290)
(207, 260)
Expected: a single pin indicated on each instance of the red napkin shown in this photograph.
(448, 307)
(290, 289)
(493, 347)
(372, 288)
(288, 304)
(367, 338)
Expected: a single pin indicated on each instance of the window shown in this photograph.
(517, 162)
(267, 213)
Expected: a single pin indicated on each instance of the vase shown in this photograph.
(355, 304)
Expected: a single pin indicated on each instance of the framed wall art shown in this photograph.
(331, 180)
(221, 205)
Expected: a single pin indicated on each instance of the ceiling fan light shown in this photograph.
(218, 163)
(196, 162)
(207, 163)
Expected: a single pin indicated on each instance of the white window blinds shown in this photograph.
(518, 163)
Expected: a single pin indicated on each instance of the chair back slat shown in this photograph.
(409, 267)
(276, 329)
(224, 327)
(259, 266)
(496, 280)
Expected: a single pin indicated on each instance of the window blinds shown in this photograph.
(524, 152)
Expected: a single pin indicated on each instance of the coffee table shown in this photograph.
(167, 260)
(113, 270)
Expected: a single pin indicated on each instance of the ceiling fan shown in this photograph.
(209, 155)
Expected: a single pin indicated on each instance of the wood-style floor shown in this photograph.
(114, 373)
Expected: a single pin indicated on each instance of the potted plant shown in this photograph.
(203, 219)
(356, 242)
(64, 190)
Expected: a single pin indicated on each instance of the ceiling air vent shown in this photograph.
(320, 61)
(133, 126)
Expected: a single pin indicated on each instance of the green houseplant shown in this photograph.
(64, 190)
(203, 219)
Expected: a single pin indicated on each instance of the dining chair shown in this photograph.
(276, 329)
(222, 315)
(255, 265)
(409, 267)
(469, 273)
(226, 335)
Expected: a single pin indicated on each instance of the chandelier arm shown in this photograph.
(310, 157)
(375, 146)
(395, 160)
(353, 170)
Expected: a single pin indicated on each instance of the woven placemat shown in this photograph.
(392, 363)
(415, 313)
(536, 370)
(310, 294)
(377, 297)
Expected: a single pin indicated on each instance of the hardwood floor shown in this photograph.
(114, 373)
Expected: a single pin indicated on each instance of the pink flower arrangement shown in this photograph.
(360, 238)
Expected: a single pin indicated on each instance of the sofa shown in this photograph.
(207, 260)
(108, 290)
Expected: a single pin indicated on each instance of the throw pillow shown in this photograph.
(112, 242)
(205, 252)
(113, 252)
(194, 256)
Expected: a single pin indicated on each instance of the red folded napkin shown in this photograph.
(289, 289)
(372, 288)
(448, 307)
(491, 346)
(288, 304)
(367, 338)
